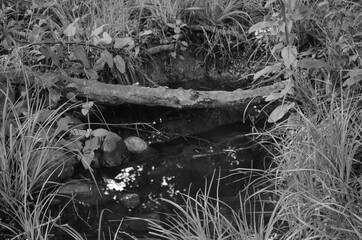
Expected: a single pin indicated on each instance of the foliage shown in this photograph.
(29, 147)
(205, 217)
(110, 40)
(317, 147)
(75, 40)
(296, 49)
(312, 46)
(317, 175)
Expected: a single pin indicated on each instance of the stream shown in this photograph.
(185, 165)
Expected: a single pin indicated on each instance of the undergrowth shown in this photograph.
(30, 154)
(313, 46)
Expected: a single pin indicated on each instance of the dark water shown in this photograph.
(184, 166)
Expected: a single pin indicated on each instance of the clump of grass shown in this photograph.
(205, 217)
(317, 176)
(28, 142)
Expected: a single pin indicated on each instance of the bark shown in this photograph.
(160, 48)
(160, 96)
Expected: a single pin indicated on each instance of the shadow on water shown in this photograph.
(184, 166)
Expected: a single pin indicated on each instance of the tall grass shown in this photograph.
(29, 146)
(318, 174)
(206, 217)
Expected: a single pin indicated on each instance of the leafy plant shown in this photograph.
(76, 40)
(30, 146)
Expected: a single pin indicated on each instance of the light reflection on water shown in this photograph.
(127, 178)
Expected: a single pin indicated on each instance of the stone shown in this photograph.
(84, 192)
(114, 151)
(135, 144)
(140, 150)
(141, 223)
(130, 200)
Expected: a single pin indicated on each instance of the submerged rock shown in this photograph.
(84, 192)
(130, 200)
(141, 223)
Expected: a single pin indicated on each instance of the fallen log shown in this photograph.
(160, 96)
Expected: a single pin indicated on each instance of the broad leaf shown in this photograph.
(87, 159)
(86, 107)
(120, 64)
(49, 53)
(99, 65)
(108, 58)
(106, 39)
(98, 31)
(289, 55)
(81, 55)
(64, 123)
(268, 69)
(100, 132)
(91, 74)
(177, 30)
(71, 30)
(354, 77)
(72, 145)
(145, 33)
(279, 112)
(78, 132)
(122, 42)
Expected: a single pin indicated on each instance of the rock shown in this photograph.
(130, 200)
(84, 192)
(135, 144)
(76, 187)
(114, 151)
(140, 150)
(141, 224)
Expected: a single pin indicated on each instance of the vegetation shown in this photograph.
(314, 128)
(31, 155)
